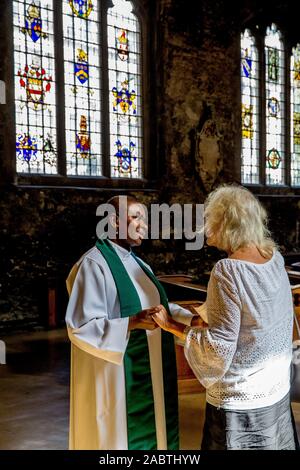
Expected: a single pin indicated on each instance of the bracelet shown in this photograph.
(186, 331)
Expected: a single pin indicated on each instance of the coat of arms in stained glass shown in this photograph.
(247, 121)
(33, 23)
(125, 156)
(81, 8)
(273, 106)
(81, 67)
(246, 63)
(124, 98)
(122, 44)
(36, 83)
(26, 147)
(273, 159)
(83, 141)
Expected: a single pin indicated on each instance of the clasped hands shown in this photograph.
(154, 317)
(145, 319)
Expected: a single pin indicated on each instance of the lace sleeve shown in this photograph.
(210, 351)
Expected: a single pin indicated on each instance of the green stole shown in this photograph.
(141, 429)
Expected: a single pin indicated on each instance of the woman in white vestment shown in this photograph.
(123, 370)
(243, 357)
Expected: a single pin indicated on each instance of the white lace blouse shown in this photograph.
(243, 357)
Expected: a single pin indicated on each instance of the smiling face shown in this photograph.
(129, 222)
(136, 224)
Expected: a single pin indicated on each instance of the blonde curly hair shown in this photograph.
(235, 217)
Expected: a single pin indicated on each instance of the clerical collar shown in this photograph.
(122, 252)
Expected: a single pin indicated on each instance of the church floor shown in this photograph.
(34, 396)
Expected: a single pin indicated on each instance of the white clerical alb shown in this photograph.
(99, 339)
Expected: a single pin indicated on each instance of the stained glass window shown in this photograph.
(82, 88)
(100, 90)
(295, 116)
(124, 63)
(270, 100)
(250, 109)
(35, 102)
(275, 102)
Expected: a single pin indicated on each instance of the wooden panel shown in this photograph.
(190, 385)
(183, 287)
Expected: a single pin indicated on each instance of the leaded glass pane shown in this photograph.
(275, 97)
(125, 100)
(81, 31)
(35, 103)
(250, 109)
(295, 116)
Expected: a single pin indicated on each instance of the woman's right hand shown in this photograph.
(162, 318)
(143, 320)
(167, 323)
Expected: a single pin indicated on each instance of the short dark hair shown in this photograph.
(115, 201)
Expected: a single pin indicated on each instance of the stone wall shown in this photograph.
(200, 87)
(42, 233)
(197, 101)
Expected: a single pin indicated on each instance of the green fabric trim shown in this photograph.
(141, 430)
(169, 368)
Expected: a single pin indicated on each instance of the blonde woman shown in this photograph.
(243, 356)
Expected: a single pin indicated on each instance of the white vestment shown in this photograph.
(99, 339)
